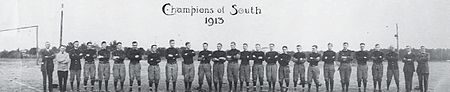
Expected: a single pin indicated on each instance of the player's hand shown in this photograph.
(228, 56)
(136, 56)
(223, 58)
(116, 57)
(170, 55)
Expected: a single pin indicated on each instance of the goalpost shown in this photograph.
(36, 27)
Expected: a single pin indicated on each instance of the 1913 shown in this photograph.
(210, 21)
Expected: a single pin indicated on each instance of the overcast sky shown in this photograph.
(283, 22)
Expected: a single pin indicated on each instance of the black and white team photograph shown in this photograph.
(224, 46)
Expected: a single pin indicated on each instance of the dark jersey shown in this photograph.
(172, 55)
(105, 56)
(392, 58)
(205, 56)
(153, 57)
(258, 57)
(134, 55)
(232, 54)
(378, 57)
(89, 55)
(300, 57)
(408, 59)
(75, 55)
(362, 57)
(271, 57)
(345, 56)
(47, 56)
(329, 57)
(283, 59)
(188, 56)
(422, 62)
(314, 59)
(245, 57)
(118, 56)
(220, 56)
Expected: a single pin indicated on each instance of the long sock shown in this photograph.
(106, 85)
(309, 87)
(379, 84)
(247, 83)
(85, 82)
(71, 85)
(156, 86)
(200, 85)
(364, 84)
(270, 85)
(92, 83)
(261, 83)
(174, 85)
(215, 85)
(287, 83)
(346, 86)
(121, 85)
(190, 85)
(235, 85)
(359, 84)
(254, 83)
(374, 84)
(220, 86)
(317, 87)
(343, 86)
(139, 83)
(115, 84)
(150, 84)
(167, 85)
(331, 85)
(281, 84)
(242, 85)
(100, 85)
(327, 84)
(210, 86)
(398, 85)
(273, 85)
(230, 85)
(295, 84)
(185, 85)
(131, 83)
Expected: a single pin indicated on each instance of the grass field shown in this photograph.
(22, 75)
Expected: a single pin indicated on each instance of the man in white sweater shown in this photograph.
(62, 59)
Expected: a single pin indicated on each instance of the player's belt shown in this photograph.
(118, 62)
(89, 62)
(104, 62)
(313, 65)
(154, 64)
